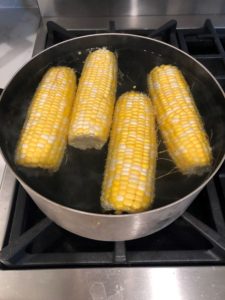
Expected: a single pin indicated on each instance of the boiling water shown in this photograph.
(77, 184)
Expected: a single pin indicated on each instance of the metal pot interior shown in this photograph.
(77, 184)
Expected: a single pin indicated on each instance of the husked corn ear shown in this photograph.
(179, 120)
(94, 103)
(44, 135)
(129, 177)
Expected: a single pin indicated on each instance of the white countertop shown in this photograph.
(18, 27)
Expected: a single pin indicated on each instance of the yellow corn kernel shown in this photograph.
(179, 120)
(94, 103)
(129, 176)
(44, 135)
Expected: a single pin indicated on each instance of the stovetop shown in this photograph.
(197, 238)
(186, 260)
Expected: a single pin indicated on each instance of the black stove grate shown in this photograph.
(194, 239)
(197, 238)
(208, 46)
(57, 34)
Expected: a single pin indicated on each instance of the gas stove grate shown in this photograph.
(207, 45)
(34, 241)
(197, 238)
(57, 34)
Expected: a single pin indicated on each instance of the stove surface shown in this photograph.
(197, 238)
(187, 257)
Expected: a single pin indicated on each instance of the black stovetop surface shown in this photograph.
(196, 238)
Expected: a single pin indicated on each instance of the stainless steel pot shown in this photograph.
(70, 197)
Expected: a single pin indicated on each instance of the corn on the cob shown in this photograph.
(44, 135)
(129, 177)
(92, 113)
(179, 120)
